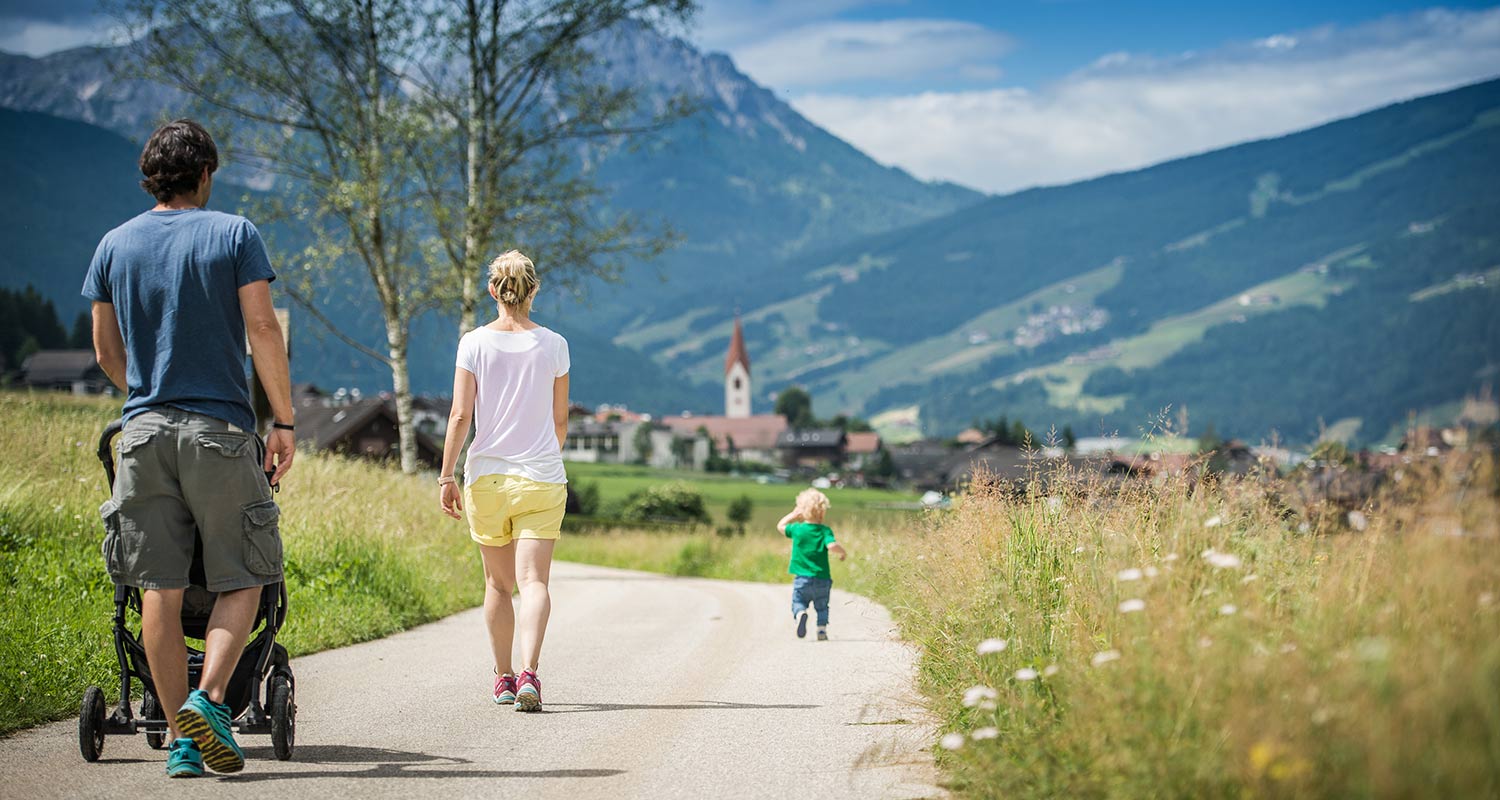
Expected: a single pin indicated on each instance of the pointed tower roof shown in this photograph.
(737, 352)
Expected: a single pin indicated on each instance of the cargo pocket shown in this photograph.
(262, 538)
(132, 440)
(228, 445)
(113, 561)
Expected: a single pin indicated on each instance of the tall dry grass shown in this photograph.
(1172, 640)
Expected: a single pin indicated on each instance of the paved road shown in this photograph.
(654, 687)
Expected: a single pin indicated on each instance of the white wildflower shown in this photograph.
(1169, 557)
(1052, 669)
(1358, 520)
(1229, 609)
(1025, 674)
(1132, 605)
(1204, 642)
(1054, 503)
(1223, 560)
(989, 646)
(1303, 527)
(951, 741)
(1104, 657)
(987, 705)
(980, 734)
(974, 694)
(1151, 572)
(1289, 648)
(1213, 521)
(1486, 599)
(1131, 574)
(1076, 550)
(1248, 578)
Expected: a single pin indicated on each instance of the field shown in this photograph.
(770, 500)
(1155, 640)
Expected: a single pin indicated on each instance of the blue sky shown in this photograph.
(1008, 94)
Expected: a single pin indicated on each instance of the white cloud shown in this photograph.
(1126, 111)
(724, 24)
(38, 37)
(831, 53)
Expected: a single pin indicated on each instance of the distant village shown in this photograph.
(769, 446)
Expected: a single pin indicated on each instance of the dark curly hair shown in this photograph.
(175, 157)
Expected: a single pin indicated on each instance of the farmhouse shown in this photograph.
(740, 434)
(75, 371)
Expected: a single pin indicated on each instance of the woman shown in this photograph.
(511, 381)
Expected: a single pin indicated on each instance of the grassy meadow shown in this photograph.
(358, 569)
(770, 500)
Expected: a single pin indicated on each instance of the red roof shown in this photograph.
(749, 433)
(737, 351)
(862, 442)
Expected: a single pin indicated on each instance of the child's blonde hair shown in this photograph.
(513, 280)
(813, 502)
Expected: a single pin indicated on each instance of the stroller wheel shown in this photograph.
(91, 724)
(283, 709)
(151, 709)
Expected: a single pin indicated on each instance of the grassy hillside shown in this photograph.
(1013, 305)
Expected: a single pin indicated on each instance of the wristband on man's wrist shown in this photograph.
(283, 426)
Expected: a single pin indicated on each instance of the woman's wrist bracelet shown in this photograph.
(444, 480)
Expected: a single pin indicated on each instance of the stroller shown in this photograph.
(263, 664)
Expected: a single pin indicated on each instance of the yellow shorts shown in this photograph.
(502, 508)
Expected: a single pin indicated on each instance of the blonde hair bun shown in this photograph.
(513, 279)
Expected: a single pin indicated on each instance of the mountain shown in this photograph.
(745, 183)
(1342, 277)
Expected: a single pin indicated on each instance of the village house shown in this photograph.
(809, 449)
(359, 427)
(75, 371)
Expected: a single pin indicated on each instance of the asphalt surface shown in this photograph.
(652, 687)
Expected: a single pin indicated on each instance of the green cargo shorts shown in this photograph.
(179, 474)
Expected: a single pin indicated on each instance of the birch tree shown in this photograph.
(318, 94)
(529, 100)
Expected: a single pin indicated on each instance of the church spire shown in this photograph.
(737, 353)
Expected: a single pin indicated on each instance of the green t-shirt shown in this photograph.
(810, 542)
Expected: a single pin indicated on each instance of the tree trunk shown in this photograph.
(469, 296)
(401, 385)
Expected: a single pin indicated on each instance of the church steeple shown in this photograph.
(737, 374)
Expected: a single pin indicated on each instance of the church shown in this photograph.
(740, 433)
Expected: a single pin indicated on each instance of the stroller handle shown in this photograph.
(106, 453)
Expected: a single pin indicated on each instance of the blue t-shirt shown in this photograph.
(174, 279)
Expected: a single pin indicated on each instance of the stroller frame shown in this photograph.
(265, 700)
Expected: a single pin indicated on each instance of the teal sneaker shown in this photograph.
(184, 760)
(208, 723)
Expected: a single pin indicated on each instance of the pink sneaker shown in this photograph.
(505, 689)
(528, 692)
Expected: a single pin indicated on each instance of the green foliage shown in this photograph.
(588, 498)
(740, 511)
(668, 502)
(795, 404)
(641, 440)
(28, 323)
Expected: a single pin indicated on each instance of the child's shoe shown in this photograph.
(822, 633)
(802, 625)
(528, 692)
(505, 689)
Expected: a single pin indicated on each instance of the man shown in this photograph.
(174, 292)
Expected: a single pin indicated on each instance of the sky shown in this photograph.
(1002, 95)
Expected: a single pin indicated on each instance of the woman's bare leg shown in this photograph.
(499, 614)
(533, 569)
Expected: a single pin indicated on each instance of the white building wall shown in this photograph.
(737, 392)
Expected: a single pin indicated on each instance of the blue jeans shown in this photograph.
(811, 592)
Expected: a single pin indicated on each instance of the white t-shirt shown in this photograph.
(513, 429)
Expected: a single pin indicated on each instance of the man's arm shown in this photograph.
(268, 352)
(109, 345)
